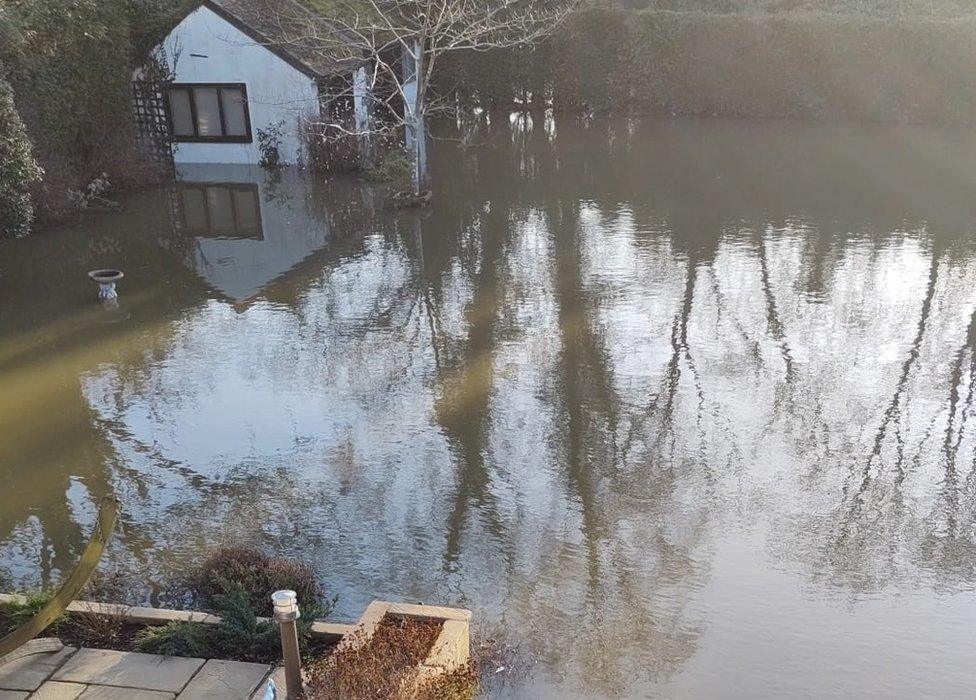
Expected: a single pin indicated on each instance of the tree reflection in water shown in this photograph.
(615, 357)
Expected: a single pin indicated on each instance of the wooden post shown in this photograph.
(286, 613)
(108, 512)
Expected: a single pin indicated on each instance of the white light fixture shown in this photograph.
(285, 606)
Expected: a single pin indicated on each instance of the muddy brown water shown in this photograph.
(685, 407)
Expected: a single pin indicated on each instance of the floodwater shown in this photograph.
(683, 407)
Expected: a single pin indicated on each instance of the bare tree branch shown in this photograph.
(399, 43)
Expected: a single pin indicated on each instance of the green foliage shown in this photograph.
(240, 634)
(393, 167)
(820, 66)
(73, 77)
(257, 575)
(176, 639)
(18, 169)
(13, 615)
(235, 583)
(823, 67)
(70, 63)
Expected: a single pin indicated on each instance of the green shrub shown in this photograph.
(13, 615)
(236, 583)
(240, 634)
(393, 167)
(18, 169)
(257, 575)
(70, 63)
(812, 66)
(176, 639)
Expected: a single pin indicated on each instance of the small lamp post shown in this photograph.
(286, 614)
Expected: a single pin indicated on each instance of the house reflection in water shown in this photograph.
(249, 227)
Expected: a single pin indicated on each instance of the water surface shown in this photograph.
(685, 406)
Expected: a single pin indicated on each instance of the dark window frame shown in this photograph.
(196, 137)
(238, 234)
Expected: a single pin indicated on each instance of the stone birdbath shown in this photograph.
(106, 279)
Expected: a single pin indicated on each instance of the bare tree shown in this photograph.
(397, 46)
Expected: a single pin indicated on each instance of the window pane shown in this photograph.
(208, 111)
(221, 211)
(194, 210)
(179, 108)
(248, 214)
(232, 99)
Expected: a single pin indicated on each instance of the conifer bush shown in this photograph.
(18, 169)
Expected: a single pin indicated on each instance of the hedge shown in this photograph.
(18, 169)
(813, 66)
(70, 63)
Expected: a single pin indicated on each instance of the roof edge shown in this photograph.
(260, 38)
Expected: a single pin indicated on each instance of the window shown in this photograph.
(225, 211)
(209, 112)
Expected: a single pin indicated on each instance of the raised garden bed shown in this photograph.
(400, 646)
(397, 650)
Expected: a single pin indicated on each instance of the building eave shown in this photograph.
(264, 41)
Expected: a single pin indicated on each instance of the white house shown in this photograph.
(235, 74)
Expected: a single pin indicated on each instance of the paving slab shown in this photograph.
(128, 669)
(28, 672)
(104, 692)
(57, 690)
(13, 694)
(278, 676)
(225, 680)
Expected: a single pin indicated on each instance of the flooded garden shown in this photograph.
(680, 407)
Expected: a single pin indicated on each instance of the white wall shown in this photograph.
(275, 90)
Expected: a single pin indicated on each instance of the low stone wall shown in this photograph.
(321, 629)
(450, 651)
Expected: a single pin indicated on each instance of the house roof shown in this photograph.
(276, 24)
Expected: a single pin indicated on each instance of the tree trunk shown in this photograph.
(416, 131)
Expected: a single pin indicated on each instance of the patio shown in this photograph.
(98, 674)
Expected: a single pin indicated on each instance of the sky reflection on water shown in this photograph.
(687, 401)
